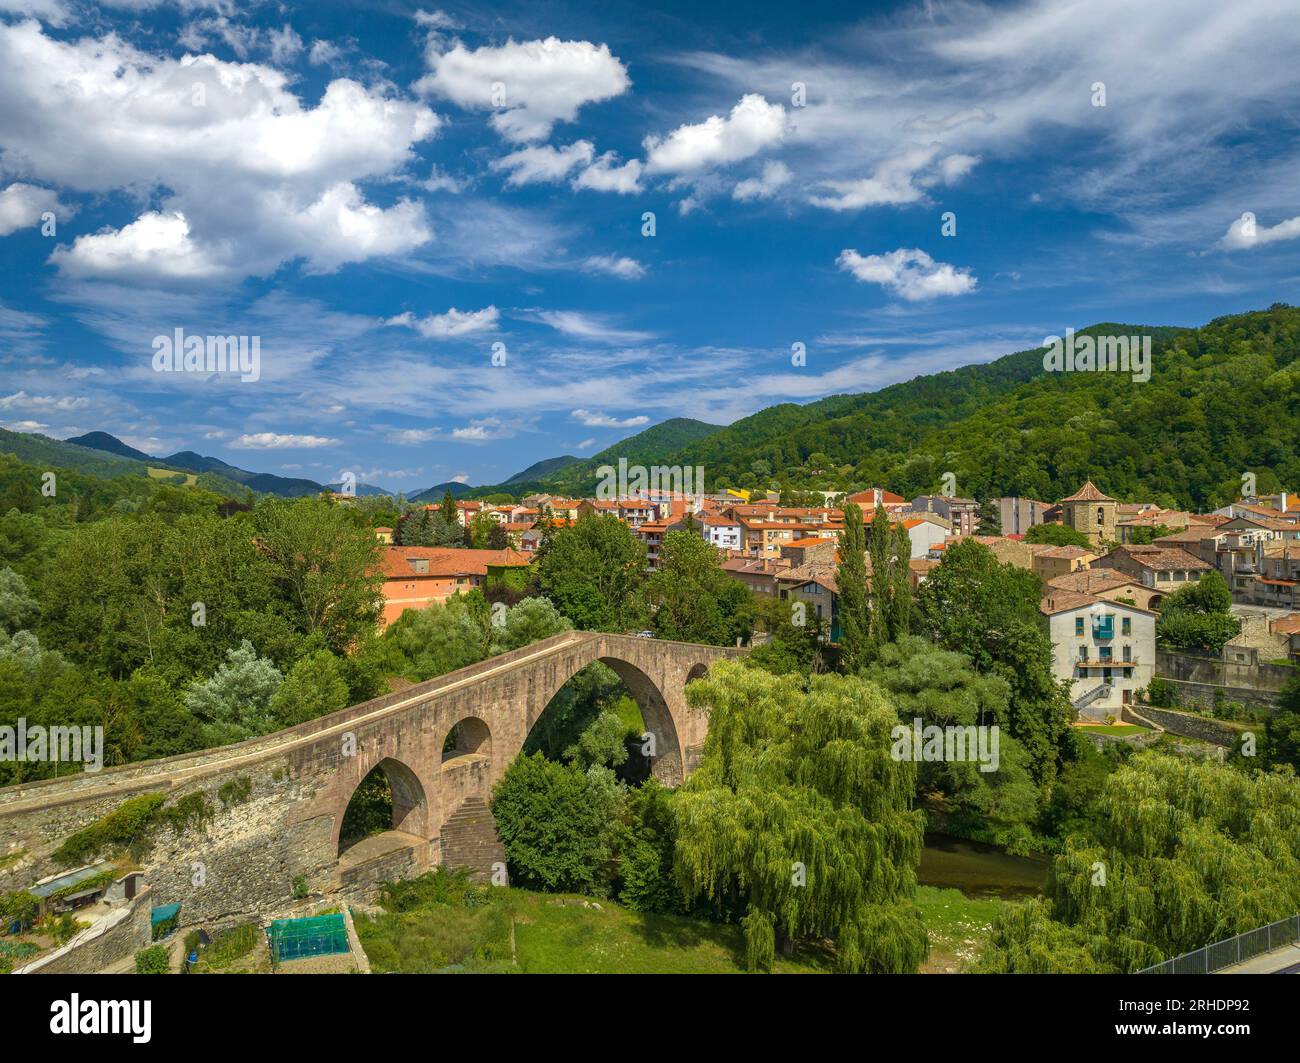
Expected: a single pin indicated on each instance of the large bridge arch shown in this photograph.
(667, 762)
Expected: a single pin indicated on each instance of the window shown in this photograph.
(1103, 626)
(1101, 516)
(1104, 651)
(1078, 626)
(1128, 653)
(1126, 626)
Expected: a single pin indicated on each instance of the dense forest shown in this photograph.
(1222, 399)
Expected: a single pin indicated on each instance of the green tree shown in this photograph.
(988, 611)
(18, 609)
(851, 579)
(593, 571)
(556, 823)
(314, 687)
(1197, 616)
(528, 620)
(1190, 853)
(878, 548)
(448, 510)
(940, 688)
(798, 811)
(324, 564)
(693, 599)
(900, 584)
(235, 702)
(990, 518)
(1057, 535)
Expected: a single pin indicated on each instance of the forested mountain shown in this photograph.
(1221, 400)
(542, 468)
(110, 444)
(228, 476)
(654, 446)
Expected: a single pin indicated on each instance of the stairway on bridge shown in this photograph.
(469, 840)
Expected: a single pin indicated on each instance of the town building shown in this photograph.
(1104, 649)
(1017, 515)
(1092, 513)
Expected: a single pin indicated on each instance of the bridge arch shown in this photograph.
(410, 800)
(468, 736)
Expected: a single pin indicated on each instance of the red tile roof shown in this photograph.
(1088, 493)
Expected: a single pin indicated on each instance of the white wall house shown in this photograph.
(722, 532)
(1104, 649)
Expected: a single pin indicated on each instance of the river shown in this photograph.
(980, 870)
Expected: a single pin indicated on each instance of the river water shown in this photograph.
(980, 870)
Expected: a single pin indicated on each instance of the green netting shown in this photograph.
(321, 935)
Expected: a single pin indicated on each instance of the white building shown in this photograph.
(722, 531)
(1106, 650)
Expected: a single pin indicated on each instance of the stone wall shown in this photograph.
(1187, 724)
(113, 938)
(1254, 685)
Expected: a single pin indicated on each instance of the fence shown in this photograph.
(1232, 950)
(322, 935)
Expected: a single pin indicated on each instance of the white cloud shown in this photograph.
(259, 178)
(276, 441)
(628, 269)
(155, 246)
(55, 12)
(898, 181)
(21, 400)
(605, 175)
(285, 44)
(585, 444)
(1245, 232)
(449, 325)
(529, 85)
(483, 430)
(590, 327)
(21, 206)
(342, 227)
(596, 419)
(544, 163)
(908, 272)
(765, 186)
(412, 436)
(753, 125)
(324, 53)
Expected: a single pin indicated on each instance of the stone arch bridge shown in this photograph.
(278, 801)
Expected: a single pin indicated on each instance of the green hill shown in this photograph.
(1222, 400)
(578, 477)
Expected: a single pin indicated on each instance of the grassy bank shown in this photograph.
(503, 930)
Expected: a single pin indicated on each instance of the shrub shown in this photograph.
(152, 960)
(555, 823)
(121, 827)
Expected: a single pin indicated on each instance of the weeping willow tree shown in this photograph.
(799, 814)
(1183, 854)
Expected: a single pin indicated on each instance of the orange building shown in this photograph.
(416, 576)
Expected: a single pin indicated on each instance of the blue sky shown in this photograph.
(384, 192)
